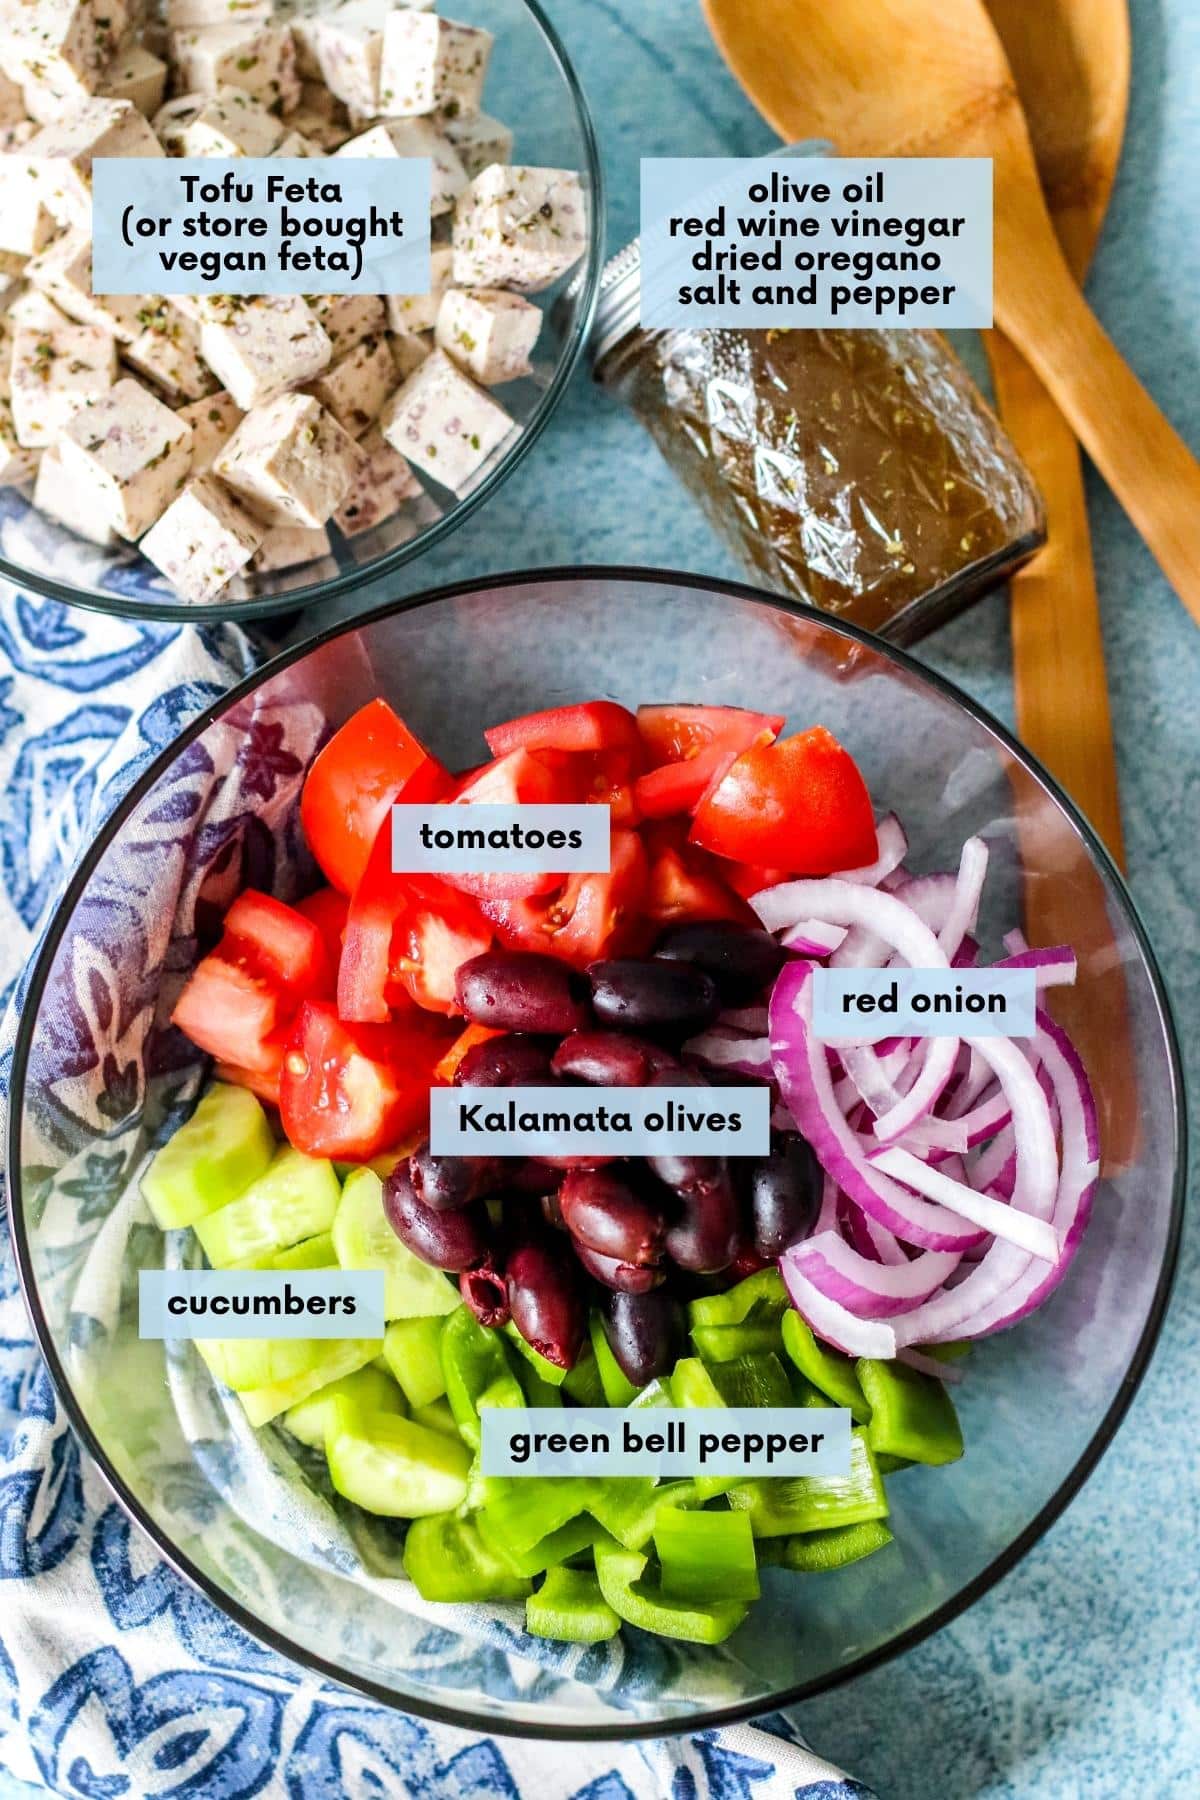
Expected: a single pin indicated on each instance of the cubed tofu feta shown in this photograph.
(325, 133)
(345, 46)
(55, 372)
(415, 137)
(488, 332)
(519, 227)
(31, 308)
(258, 59)
(183, 15)
(57, 494)
(56, 50)
(130, 454)
(290, 462)
(348, 318)
(429, 63)
(26, 222)
(168, 351)
(213, 422)
(383, 484)
(260, 347)
(287, 546)
(18, 462)
(202, 540)
(418, 312)
(296, 144)
(230, 123)
(479, 140)
(409, 350)
(64, 272)
(62, 153)
(137, 75)
(355, 387)
(443, 423)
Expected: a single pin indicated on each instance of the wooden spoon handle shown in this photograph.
(1060, 687)
(1144, 460)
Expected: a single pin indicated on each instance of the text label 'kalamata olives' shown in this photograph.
(601, 1121)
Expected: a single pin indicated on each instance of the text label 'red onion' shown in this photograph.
(601, 1121)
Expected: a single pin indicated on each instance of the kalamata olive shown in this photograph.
(545, 1297)
(747, 1261)
(502, 1060)
(610, 1059)
(704, 1235)
(626, 1278)
(447, 1240)
(533, 1177)
(741, 959)
(785, 1193)
(645, 1333)
(516, 990)
(485, 1291)
(444, 1182)
(645, 995)
(604, 1213)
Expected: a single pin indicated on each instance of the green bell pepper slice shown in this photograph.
(723, 1343)
(583, 1384)
(827, 1369)
(706, 1555)
(617, 1388)
(620, 1573)
(753, 1381)
(518, 1511)
(758, 1299)
(569, 1606)
(692, 1384)
(781, 1505)
(628, 1505)
(446, 1559)
(558, 1547)
(477, 1373)
(550, 1373)
(817, 1551)
(912, 1415)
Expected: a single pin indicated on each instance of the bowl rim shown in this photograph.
(464, 1718)
(314, 593)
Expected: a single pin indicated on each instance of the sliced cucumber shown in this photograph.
(412, 1349)
(211, 1160)
(436, 1417)
(363, 1239)
(390, 1466)
(369, 1388)
(244, 1363)
(313, 1253)
(295, 1199)
(261, 1404)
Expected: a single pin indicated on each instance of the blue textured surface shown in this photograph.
(1077, 1676)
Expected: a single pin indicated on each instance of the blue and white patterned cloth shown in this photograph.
(116, 1678)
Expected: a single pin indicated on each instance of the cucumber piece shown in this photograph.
(388, 1465)
(262, 1404)
(313, 1253)
(446, 1559)
(570, 1607)
(368, 1388)
(436, 1417)
(363, 1239)
(412, 1350)
(210, 1160)
(244, 1363)
(295, 1199)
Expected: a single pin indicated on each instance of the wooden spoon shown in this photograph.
(1070, 59)
(919, 78)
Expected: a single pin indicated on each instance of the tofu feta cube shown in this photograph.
(415, 137)
(183, 15)
(348, 318)
(202, 540)
(418, 312)
(443, 423)
(259, 347)
(18, 462)
(519, 227)
(55, 372)
(137, 75)
(213, 422)
(26, 222)
(296, 144)
(383, 484)
(488, 332)
(290, 462)
(57, 494)
(63, 271)
(32, 308)
(167, 350)
(286, 546)
(258, 59)
(409, 350)
(324, 132)
(129, 454)
(429, 62)
(62, 153)
(344, 48)
(56, 50)
(479, 140)
(355, 387)
(230, 123)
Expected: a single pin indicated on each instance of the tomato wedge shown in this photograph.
(280, 942)
(588, 917)
(679, 787)
(679, 733)
(327, 909)
(263, 1082)
(369, 763)
(680, 893)
(351, 1091)
(515, 779)
(592, 725)
(231, 1013)
(800, 804)
(240, 998)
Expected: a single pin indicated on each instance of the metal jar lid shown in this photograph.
(619, 304)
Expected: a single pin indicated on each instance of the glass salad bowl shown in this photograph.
(532, 88)
(93, 1077)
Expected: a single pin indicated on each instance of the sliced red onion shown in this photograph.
(724, 1049)
(871, 1289)
(924, 1093)
(812, 937)
(931, 1365)
(1015, 941)
(835, 1324)
(930, 897)
(844, 903)
(967, 954)
(1054, 967)
(746, 1018)
(893, 848)
(1003, 1221)
(968, 892)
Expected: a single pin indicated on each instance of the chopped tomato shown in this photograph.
(681, 892)
(679, 787)
(372, 761)
(590, 915)
(327, 909)
(279, 942)
(747, 881)
(593, 725)
(466, 1040)
(679, 733)
(800, 805)
(351, 1091)
(516, 779)
(603, 777)
(241, 997)
(264, 1083)
(231, 1013)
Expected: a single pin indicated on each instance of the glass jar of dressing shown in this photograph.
(859, 471)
